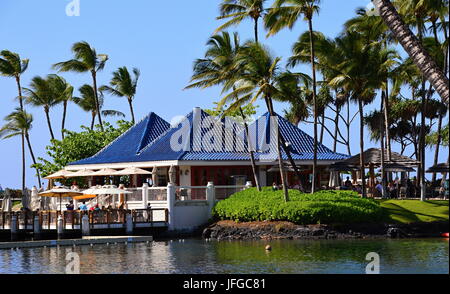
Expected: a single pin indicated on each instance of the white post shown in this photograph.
(171, 204)
(145, 194)
(59, 226)
(36, 226)
(210, 197)
(129, 224)
(85, 227)
(13, 228)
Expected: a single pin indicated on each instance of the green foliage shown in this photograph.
(432, 138)
(249, 110)
(325, 207)
(79, 145)
(410, 211)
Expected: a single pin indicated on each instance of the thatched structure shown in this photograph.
(439, 168)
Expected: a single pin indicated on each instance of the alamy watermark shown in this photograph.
(373, 267)
(73, 8)
(73, 263)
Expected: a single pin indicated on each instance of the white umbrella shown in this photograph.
(6, 204)
(81, 173)
(106, 190)
(131, 171)
(59, 175)
(104, 172)
(334, 179)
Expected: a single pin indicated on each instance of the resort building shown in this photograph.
(202, 149)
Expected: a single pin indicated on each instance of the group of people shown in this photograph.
(84, 207)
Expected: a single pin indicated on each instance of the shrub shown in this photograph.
(325, 207)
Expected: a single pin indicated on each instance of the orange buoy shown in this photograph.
(445, 235)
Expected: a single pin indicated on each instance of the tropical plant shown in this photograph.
(123, 85)
(87, 103)
(239, 10)
(86, 60)
(17, 123)
(218, 68)
(63, 93)
(12, 66)
(285, 13)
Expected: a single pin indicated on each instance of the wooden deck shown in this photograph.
(102, 219)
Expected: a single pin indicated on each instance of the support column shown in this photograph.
(171, 205)
(85, 227)
(210, 197)
(145, 194)
(129, 224)
(60, 227)
(14, 228)
(36, 227)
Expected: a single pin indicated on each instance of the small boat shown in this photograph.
(445, 235)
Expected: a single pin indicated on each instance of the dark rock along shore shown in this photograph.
(229, 230)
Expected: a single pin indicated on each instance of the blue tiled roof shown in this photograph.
(152, 140)
(126, 146)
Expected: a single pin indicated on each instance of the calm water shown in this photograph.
(194, 256)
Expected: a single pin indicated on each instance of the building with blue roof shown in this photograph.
(205, 149)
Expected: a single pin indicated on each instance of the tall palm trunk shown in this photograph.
(19, 87)
(438, 144)
(414, 48)
(93, 120)
(422, 126)
(63, 119)
(33, 158)
(97, 105)
(130, 103)
(280, 158)
(47, 115)
(256, 29)
(24, 195)
(250, 150)
(361, 144)
(313, 186)
(383, 174)
(336, 126)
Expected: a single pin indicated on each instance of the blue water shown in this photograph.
(195, 256)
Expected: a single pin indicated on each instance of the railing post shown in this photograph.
(85, 226)
(145, 194)
(36, 227)
(210, 197)
(60, 226)
(13, 227)
(129, 224)
(171, 205)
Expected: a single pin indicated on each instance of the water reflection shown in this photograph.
(198, 256)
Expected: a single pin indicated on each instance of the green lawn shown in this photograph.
(408, 211)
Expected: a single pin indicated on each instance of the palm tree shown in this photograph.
(86, 60)
(17, 123)
(239, 10)
(285, 13)
(414, 48)
(63, 92)
(41, 94)
(123, 85)
(258, 78)
(218, 68)
(12, 66)
(87, 103)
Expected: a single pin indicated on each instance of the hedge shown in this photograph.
(324, 207)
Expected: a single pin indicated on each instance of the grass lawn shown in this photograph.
(408, 211)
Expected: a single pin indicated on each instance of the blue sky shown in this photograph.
(161, 38)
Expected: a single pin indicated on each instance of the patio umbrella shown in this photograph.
(6, 204)
(131, 171)
(334, 179)
(60, 192)
(439, 168)
(396, 167)
(59, 175)
(81, 173)
(104, 172)
(155, 176)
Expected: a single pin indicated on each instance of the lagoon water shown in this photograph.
(196, 256)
